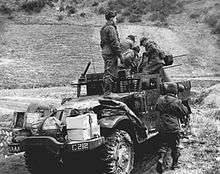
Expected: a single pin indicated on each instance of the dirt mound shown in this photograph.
(210, 97)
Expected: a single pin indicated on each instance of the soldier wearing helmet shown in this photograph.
(130, 59)
(128, 43)
(171, 110)
(154, 59)
(111, 51)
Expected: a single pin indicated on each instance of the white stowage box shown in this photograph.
(83, 134)
(82, 121)
(82, 127)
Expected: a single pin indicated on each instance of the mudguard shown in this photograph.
(110, 103)
(111, 122)
(138, 129)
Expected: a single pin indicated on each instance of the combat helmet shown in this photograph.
(172, 87)
(143, 41)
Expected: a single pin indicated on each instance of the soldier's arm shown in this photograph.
(114, 41)
(182, 110)
(159, 104)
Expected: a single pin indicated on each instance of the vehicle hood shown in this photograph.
(86, 102)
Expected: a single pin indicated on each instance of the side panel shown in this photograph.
(111, 122)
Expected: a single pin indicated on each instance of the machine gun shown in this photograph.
(182, 55)
(82, 79)
(172, 66)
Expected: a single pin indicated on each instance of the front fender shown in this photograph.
(112, 121)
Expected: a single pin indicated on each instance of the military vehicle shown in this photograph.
(113, 126)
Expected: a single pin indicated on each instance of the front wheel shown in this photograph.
(118, 153)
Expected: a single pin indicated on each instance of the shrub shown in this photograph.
(120, 19)
(194, 15)
(135, 18)
(211, 19)
(136, 8)
(101, 10)
(36, 6)
(114, 5)
(153, 17)
(126, 12)
(60, 17)
(50, 3)
(70, 9)
(217, 28)
(83, 14)
(5, 10)
(95, 4)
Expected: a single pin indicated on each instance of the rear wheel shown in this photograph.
(118, 153)
(40, 161)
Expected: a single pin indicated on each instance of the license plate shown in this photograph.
(80, 147)
(14, 149)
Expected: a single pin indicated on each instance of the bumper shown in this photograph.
(54, 146)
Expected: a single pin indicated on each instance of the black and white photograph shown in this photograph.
(109, 86)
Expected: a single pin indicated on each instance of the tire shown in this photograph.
(118, 153)
(41, 162)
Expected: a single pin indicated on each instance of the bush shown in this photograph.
(211, 19)
(126, 12)
(114, 5)
(120, 19)
(5, 10)
(135, 18)
(70, 9)
(153, 17)
(60, 17)
(136, 8)
(194, 15)
(95, 4)
(36, 6)
(83, 14)
(101, 10)
(217, 28)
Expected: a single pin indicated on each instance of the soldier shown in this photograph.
(171, 110)
(128, 43)
(154, 59)
(111, 51)
(130, 59)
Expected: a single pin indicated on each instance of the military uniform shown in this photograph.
(126, 45)
(171, 110)
(111, 52)
(153, 60)
(130, 59)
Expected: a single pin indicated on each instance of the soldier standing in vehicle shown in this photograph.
(111, 51)
(171, 111)
(153, 59)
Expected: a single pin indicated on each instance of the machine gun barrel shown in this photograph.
(171, 66)
(82, 79)
(85, 71)
(182, 55)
